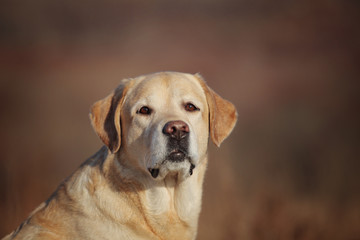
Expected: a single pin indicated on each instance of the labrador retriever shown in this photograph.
(146, 181)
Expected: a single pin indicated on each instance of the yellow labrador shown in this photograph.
(146, 182)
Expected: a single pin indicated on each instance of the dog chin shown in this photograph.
(181, 170)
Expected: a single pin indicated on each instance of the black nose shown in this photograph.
(176, 129)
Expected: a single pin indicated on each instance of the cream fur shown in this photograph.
(113, 195)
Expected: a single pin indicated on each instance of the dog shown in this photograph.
(146, 181)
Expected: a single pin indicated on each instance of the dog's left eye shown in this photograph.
(191, 107)
(144, 110)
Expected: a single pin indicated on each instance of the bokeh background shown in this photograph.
(290, 170)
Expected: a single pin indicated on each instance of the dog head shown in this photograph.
(161, 122)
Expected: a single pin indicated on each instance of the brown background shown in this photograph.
(290, 170)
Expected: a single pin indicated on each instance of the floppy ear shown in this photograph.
(222, 114)
(105, 118)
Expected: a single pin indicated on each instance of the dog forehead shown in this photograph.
(165, 87)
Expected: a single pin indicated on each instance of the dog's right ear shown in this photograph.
(105, 117)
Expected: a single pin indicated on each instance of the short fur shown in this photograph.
(112, 195)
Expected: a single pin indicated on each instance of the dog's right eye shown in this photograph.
(144, 110)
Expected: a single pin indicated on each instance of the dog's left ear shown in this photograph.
(105, 117)
(222, 114)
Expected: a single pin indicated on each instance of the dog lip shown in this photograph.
(176, 156)
(154, 172)
(192, 166)
(176, 151)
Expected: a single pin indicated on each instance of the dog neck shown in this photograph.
(172, 203)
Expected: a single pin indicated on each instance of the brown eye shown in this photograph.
(191, 107)
(144, 110)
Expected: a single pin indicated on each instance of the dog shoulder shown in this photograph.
(66, 205)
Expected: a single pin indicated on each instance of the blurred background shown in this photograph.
(290, 170)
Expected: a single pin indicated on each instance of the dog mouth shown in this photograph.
(155, 171)
(176, 160)
(176, 156)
